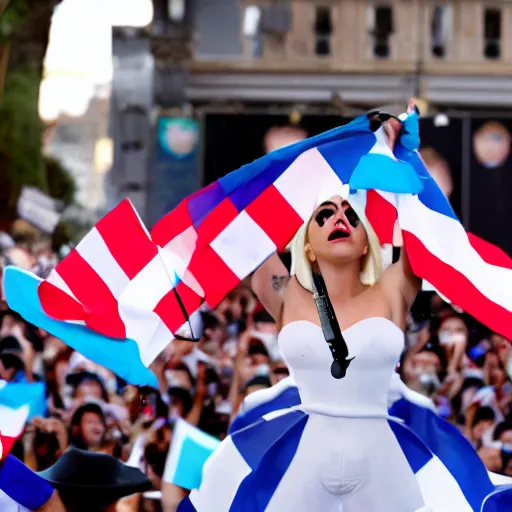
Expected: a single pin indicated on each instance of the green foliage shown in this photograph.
(61, 184)
(21, 160)
(17, 12)
(62, 235)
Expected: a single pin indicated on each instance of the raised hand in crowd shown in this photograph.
(47, 439)
(201, 391)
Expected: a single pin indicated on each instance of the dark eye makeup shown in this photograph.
(352, 217)
(323, 215)
(326, 213)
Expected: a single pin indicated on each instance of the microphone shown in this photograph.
(330, 328)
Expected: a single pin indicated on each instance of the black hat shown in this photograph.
(90, 479)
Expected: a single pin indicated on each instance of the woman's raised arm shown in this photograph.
(269, 282)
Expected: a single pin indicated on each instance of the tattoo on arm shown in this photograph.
(279, 282)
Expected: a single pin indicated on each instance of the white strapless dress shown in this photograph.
(335, 451)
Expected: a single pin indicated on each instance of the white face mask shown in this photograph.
(263, 370)
(450, 338)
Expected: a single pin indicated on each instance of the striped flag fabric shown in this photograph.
(121, 284)
(472, 273)
(12, 424)
(19, 394)
(19, 402)
(126, 284)
(120, 356)
(7, 504)
(228, 229)
(20, 488)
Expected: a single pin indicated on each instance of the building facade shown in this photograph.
(305, 56)
(451, 53)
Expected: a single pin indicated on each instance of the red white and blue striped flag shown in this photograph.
(19, 402)
(128, 284)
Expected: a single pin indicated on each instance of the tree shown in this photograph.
(21, 159)
(24, 36)
(61, 185)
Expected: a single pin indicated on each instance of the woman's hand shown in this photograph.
(57, 426)
(52, 426)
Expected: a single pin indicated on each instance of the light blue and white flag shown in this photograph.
(190, 449)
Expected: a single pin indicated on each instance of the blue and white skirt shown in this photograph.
(256, 463)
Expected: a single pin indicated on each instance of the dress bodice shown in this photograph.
(375, 343)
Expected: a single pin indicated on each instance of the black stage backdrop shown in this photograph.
(490, 192)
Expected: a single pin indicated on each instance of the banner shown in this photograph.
(39, 209)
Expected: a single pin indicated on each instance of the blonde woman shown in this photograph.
(336, 451)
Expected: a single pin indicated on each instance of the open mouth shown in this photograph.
(339, 233)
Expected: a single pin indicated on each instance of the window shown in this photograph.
(133, 120)
(276, 19)
(176, 10)
(252, 30)
(381, 28)
(440, 30)
(323, 31)
(492, 33)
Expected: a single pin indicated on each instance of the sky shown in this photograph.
(79, 55)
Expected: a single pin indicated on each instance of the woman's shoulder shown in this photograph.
(294, 291)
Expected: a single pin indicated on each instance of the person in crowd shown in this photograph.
(439, 169)
(89, 428)
(503, 432)
(157, 445)
(453, 337)
(12, 367)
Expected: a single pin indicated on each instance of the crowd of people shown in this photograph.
(450, 357)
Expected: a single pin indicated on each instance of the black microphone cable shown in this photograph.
(330, 328)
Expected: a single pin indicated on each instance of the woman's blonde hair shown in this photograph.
(372, 264)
